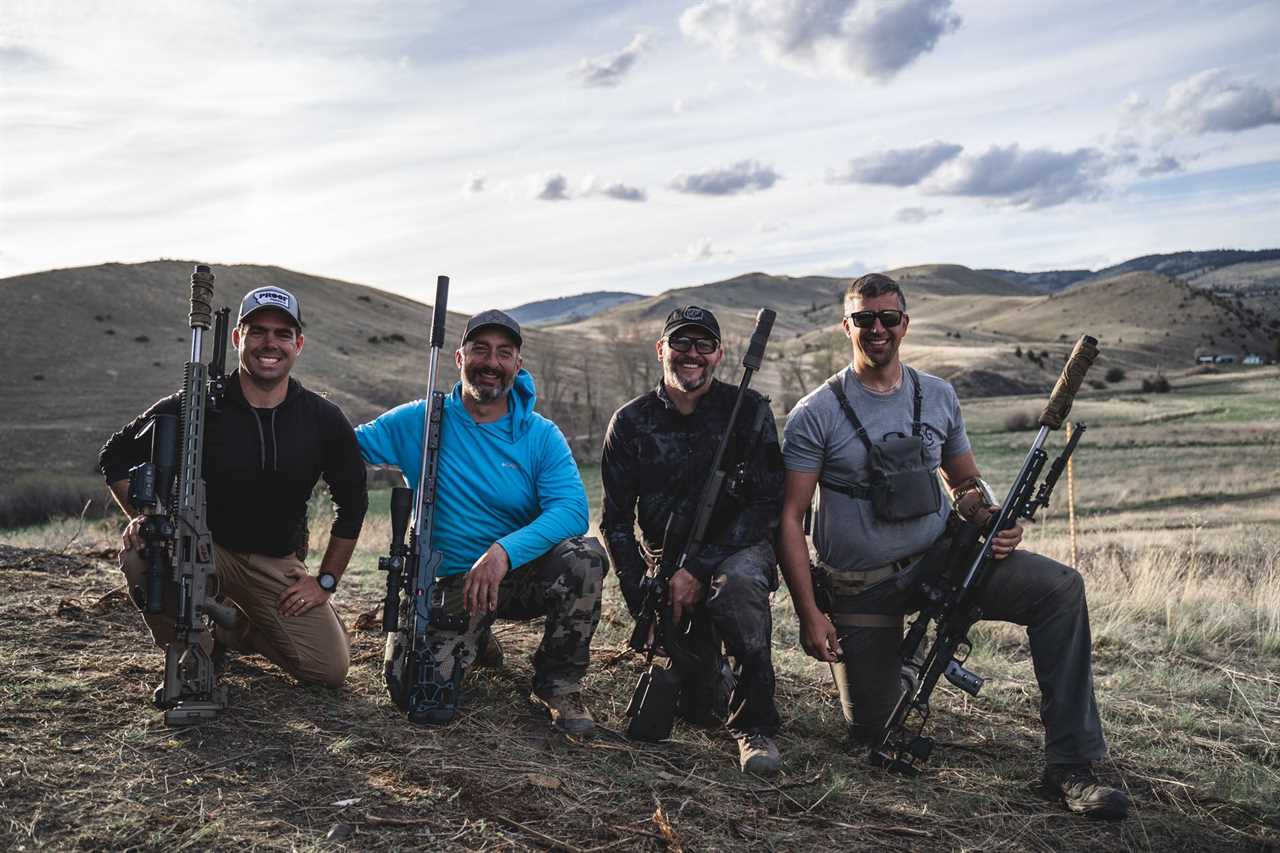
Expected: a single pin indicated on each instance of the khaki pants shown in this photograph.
(312, 647)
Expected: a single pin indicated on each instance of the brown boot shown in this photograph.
(1077, 787)
(758, 754)
(568, 712)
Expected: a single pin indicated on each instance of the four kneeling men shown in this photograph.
(511, 517)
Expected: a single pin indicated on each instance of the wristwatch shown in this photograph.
(327, 581)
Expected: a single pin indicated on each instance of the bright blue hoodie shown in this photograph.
(513, 481)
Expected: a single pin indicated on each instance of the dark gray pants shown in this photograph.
(1026, 589)
(737, 605)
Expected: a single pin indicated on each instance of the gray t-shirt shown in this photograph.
(820, 439)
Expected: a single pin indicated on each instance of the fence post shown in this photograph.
(1071, 502)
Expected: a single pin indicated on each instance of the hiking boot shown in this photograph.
(568, 712)
(489, 654)
(861, 737)
(1075, 785)
(758, 754)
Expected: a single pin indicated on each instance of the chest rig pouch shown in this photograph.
(902, 485)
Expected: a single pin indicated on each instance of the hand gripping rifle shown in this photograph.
(178, 548)
(652, 707)
(951, 595)
(409, 668)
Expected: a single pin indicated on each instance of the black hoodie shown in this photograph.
(261, 465)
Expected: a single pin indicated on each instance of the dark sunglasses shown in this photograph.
(889, 318)
(704, 346)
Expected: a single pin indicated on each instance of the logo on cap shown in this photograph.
(272, 297)
(694, 314)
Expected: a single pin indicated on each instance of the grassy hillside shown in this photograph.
(127, 333)
(1178, 537)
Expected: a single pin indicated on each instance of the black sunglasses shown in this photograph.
(889, 318)
(683, 343)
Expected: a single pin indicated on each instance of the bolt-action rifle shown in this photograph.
(652, 707)
(951, 594)
(178, 549)
(413, 679)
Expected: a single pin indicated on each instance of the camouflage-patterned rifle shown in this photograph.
(178, 548)
(651, 711)
(951, 594)
(413, 680)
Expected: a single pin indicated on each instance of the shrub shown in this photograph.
(1114, 374)
(1157, 384)
(35, 500)
(1020, 421)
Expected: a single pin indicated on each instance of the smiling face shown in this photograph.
(692, 370)
(269, 344)
(875, 347)
(488, 363)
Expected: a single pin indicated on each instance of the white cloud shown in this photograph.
(612, 189)
(1160, 166)
(1212, 101)
(872, 39)
(610, 70)
(901, 167)
(551, 188)
(743, 176)
(1033, 178)
(702, 250)
(916, 215)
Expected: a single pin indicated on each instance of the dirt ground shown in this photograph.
(85, 762)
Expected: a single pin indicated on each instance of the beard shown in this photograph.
(882, 358)
(486, 393)
(675, 379)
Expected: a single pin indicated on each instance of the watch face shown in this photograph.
(327, 582)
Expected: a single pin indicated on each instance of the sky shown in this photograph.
(539, 149)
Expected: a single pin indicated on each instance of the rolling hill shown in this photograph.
(88, 348)
(566, 309)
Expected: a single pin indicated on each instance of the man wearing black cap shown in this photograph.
(509, 520)
(264, 451)
(657, 454)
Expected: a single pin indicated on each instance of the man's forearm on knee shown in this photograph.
(337, 555)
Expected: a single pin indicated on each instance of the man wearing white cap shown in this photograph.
(265, 448)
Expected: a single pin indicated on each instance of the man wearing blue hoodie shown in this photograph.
(510, 516)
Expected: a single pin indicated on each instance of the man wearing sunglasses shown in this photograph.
(657, 454)
(509, 520)
(863, 541)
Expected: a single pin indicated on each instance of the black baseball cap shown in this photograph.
(270, 297)
(493, 317)
(692, 315)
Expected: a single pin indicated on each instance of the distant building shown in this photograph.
(1206, 358)
(1224, 358)
(1252, 359)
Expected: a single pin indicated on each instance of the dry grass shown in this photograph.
(1179, 541)
(1191, 726)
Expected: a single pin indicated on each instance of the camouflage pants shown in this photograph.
(564, 585)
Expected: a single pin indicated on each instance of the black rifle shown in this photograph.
(652, 706)
(951, 595)
(413, 680)
(178, 549)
